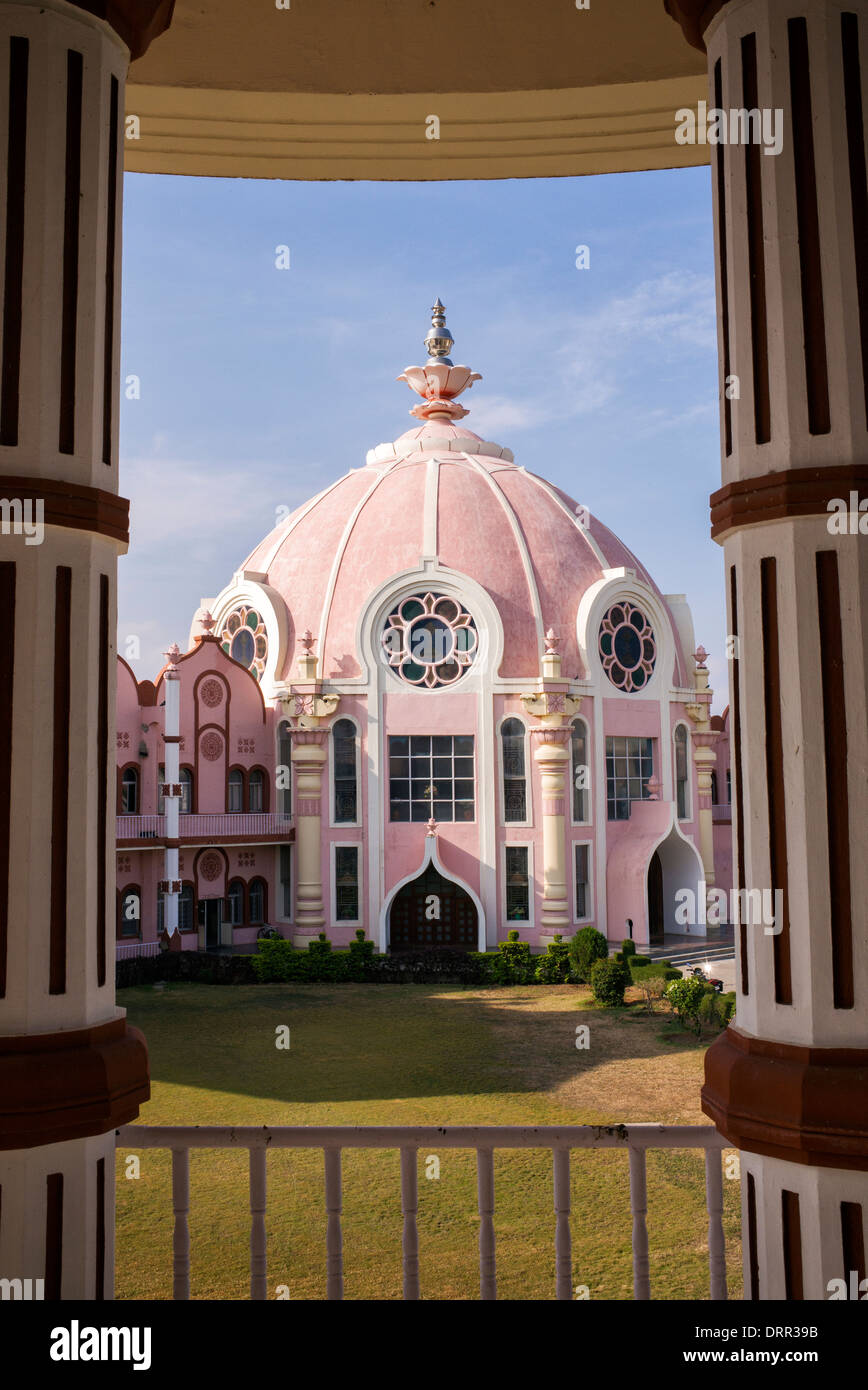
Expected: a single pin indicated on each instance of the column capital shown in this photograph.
(694, 16)
(136, 22)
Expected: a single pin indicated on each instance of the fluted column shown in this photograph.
(70, 1068)
(554, 708)
(787, 1082)
(307, 707)
(171, 791)
(704, 739)
(308, 758)
(552, 755)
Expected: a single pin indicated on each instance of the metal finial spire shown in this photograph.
(438, 340)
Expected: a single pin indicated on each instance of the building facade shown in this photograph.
(438, 702)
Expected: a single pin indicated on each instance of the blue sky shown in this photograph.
(259, 386)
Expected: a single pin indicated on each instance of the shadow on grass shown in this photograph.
(359, 1043)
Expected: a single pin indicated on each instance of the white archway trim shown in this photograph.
(430, 855)
(428, 576)
(625, 584)
(270, 604)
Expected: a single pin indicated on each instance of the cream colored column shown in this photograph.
(786, 1082)
(554, 708)
(307, 706)
(704, 756)
(70, 1068)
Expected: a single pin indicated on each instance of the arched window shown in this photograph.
(728, 785)
(235, 903)
(186, 779)
(713, 788)
(580, 771)
(512, 734)
(130, 912)
(344, 772)
(256, 790)
(681, 773)
(256, 902)
(130, 791)
(235, 797)
(185, 908)
(284, 770)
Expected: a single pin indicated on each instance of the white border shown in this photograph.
(510, 923)
(527, 823)
(358, 846)
(431, 856)
(344, 824)
(589, 917)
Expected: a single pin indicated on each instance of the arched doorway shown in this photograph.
(432, 911)
(655, 899)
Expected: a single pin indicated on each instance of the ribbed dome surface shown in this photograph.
(440, 491)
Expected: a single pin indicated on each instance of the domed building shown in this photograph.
(440, 701)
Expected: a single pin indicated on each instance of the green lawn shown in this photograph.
(388, 1054)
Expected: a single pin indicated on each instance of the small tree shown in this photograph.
(609, 980)
(685, 997)
(587, 946)
(652, 987)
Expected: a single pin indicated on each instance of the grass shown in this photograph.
(368, 1054)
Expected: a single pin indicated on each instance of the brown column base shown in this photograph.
(59, 1086)
(804, 1104)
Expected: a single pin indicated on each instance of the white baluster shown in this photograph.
(485, 1188)
(716, 1242)
(639, 1208)
(410, 1207)
(334, 1240)
(181, 1234)
(563, 1241)
(258, 1266)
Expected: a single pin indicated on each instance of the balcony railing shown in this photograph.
(636, 1139)
(722, 812)
(126, 950)
(218, 826)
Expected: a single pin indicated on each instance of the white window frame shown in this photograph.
(680, 724)
(278, 881)
(334, 847)
(589, 790)
(345, 824)
(531, 887)
(589, 917)
(527, 823)
(280, 792)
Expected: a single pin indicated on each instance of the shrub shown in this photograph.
(513, 964)
(628, 948)
(361, 954)
(586, 947)
(554, 968)
(609, 980)
(727, 1003)
(685, 997)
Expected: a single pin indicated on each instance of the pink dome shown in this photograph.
(441, 491)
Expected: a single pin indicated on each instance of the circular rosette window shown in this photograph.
(628, 649)
(430, 640)
(244, 639)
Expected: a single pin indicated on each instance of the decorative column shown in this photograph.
(554, 708)
(309, 707)
(787, 1082)
(171, 793)
(704, 740)
(70, 1068)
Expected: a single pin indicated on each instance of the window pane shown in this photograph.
(399, 745)
(347, 883)
(464, 746)
(517, 886)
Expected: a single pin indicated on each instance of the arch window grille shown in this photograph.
(580, 771)
(344, 772)
(512, 737)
